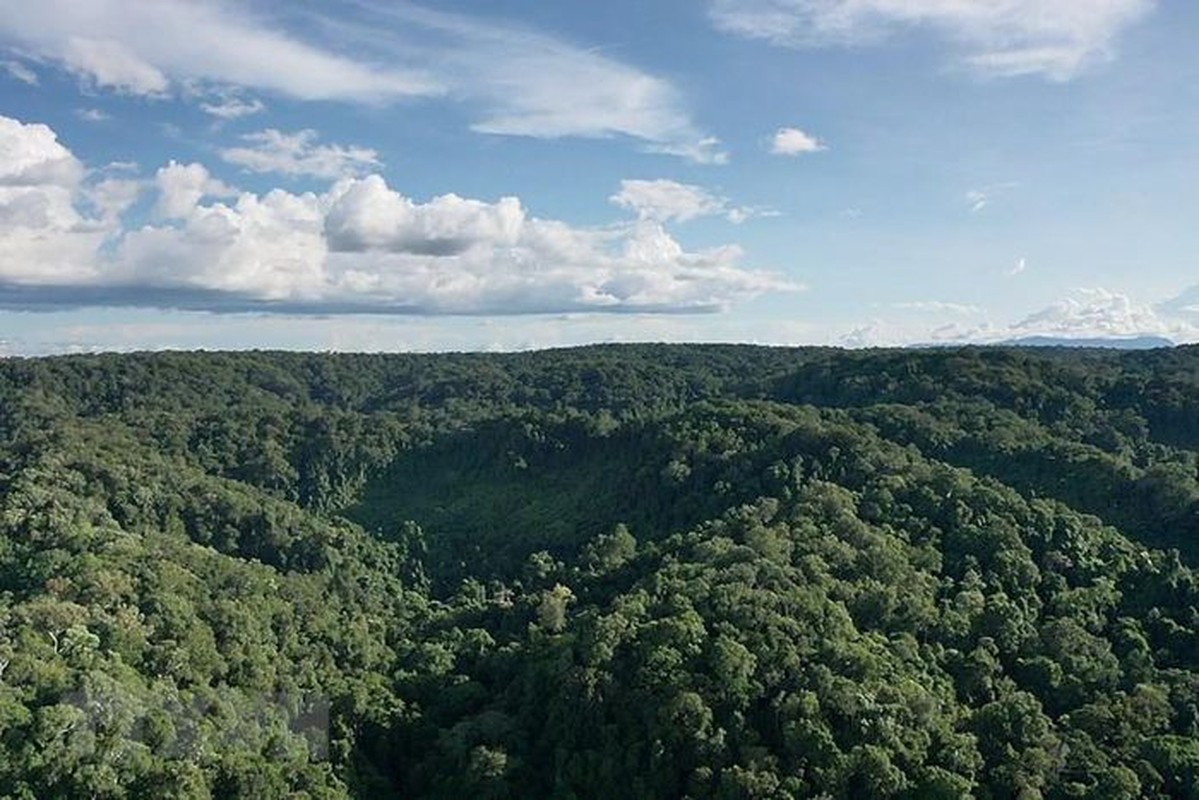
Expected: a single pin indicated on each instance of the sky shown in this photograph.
(465, 175)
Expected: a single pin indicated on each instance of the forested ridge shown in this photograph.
(636, 571)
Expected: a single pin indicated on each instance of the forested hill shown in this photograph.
(610, 572)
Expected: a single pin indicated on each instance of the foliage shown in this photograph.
(634, 571)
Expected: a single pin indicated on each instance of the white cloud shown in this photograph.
(110, 65)
(43, 238)
(978, 200)
(794, 142)
(109, 198)
(532, 84)
(1002, 38)
(1093, 312)
(364, 246)
(1084, 314)
(298, 154)
(233, 107)
(367, 215)
(92, 115)
(706, 150)
(182, 186)
(268, 248)
(1019, 268)
(360, 246)
(666, 200)
(20, 72)
(141, 47)
(31, 156)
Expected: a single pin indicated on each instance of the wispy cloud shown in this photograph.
(109, 64)
(938, 306)
(525, 82)
(515, 81)
(93, 115)
(232, 107)
(978, 199)
(300, 154)
(666, 200)
(145, 48)
(1005, 38)
(21, 72)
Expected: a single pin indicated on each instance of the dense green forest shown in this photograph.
(607, 572)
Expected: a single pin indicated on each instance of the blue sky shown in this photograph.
(373, 175)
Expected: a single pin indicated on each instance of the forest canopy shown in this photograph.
(632, 571)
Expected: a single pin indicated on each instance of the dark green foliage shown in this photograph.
(626, 572)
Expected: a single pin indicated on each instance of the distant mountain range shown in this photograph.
(1113, 343)
(1106, 343)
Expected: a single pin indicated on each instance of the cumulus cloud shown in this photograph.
(43, 237)
(1093, 312)
(363, 246)
(358, 246)
(368, 215)
(268, 248)
(31, 156)
(994, 37)
(666, 200)
(794, 142)
(299, 154)
(1085, 314)
(182, 186)
(108, 198)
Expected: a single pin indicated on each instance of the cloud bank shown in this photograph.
(358, 246)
